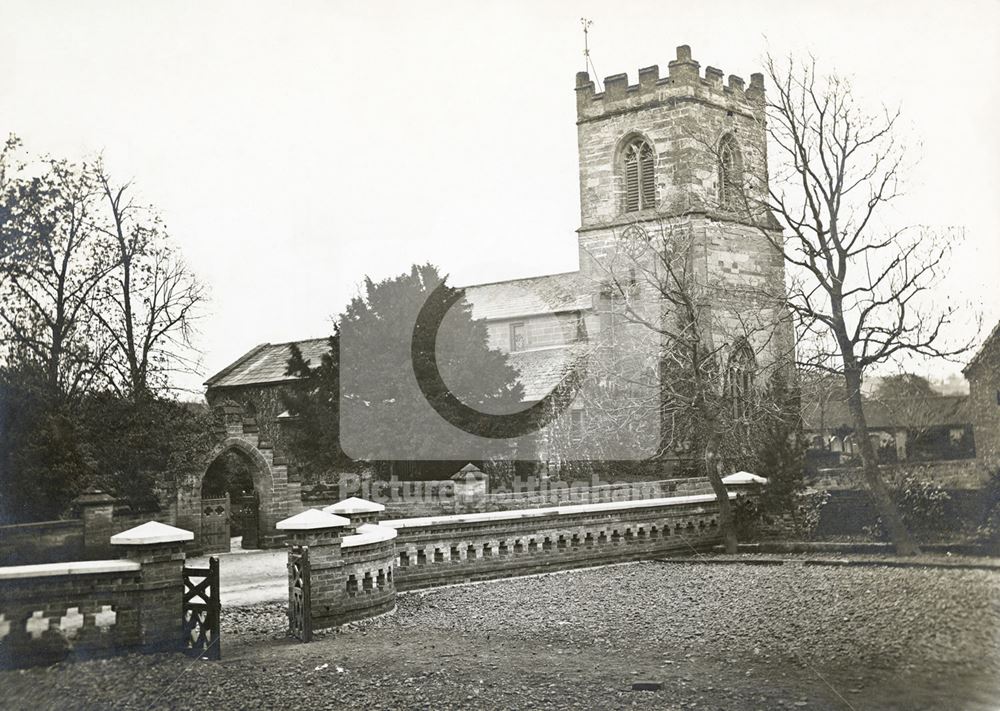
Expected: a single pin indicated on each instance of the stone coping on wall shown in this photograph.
(89, 567)
(550, 511)
(367, 534)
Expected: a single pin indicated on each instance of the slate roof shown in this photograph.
(266, 363)
(890, 413)
(516, 298)
(540, 370)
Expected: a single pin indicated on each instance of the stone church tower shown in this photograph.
(681, 160)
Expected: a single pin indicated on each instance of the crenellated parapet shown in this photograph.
(684, 80)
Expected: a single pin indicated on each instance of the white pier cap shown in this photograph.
(312, 519)
(149, 533)
(354, 505)
(743, 478)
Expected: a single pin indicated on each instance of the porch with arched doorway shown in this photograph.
(258, 478)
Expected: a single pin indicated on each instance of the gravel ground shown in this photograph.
(716, 636)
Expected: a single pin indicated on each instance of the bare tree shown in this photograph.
(859, 287)
(53, 262)
(702, 352)
(150, 300)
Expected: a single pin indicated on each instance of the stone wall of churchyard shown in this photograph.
(83, 538)
(959, 474)
(849, 509)
(42, 542)
(82, 609)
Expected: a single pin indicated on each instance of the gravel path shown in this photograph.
(718, 637)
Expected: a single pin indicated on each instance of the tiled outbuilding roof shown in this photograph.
(890, 413)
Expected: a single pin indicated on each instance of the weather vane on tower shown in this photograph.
(588, 64)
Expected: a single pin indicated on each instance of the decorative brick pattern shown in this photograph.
(52, 612)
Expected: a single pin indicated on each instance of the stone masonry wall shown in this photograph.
(984, 401)
(42, 542)
(539, 331)
(45, 619)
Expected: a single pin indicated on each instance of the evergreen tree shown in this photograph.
(378, 382)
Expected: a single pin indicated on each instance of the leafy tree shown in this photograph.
(43, 459)
(95, 315)
(140, 449)
(904, 385)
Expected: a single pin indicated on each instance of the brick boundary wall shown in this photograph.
(458, 549)
(357, 566)
(49, 616)
(370, 584)
(84, 609)
(439, 498)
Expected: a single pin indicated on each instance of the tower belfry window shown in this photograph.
(640, 179)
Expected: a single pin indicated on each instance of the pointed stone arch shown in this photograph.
(270, 479)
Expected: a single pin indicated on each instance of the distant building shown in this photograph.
(983, 374)
(903, 429)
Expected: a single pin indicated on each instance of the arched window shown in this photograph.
(640, 185)
(740, 380)
(730, 172)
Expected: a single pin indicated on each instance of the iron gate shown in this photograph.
(215, 525)
(201, 611)
(299, 594)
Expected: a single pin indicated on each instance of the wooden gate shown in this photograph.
(215, 525)
(249, 508)
(202, 609)
(299, 594)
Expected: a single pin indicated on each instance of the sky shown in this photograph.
(293, 148)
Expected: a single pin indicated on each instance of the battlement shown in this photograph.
(683, 80)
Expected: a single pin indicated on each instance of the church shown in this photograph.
(663, 161)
